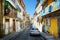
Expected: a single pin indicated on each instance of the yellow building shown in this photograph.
(51, 17)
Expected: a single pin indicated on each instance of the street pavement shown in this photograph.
(26, 36)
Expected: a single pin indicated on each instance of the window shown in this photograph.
(50, 8)
(44, 11)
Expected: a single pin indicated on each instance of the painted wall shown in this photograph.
(17, 26)
(39, 8)
(7, 28)
(53, 28)
(11, 24)
(44, 23)
(39, 26)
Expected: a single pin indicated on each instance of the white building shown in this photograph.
(35, 23)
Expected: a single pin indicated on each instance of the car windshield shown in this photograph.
(34, 28)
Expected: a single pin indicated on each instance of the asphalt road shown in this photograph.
(26, 36)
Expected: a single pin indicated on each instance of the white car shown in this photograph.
(34, 31)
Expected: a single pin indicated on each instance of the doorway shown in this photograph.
(13, 25)
(6, 26)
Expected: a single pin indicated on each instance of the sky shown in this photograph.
(30, 6)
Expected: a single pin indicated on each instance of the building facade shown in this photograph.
(11, 15)
(51, 17)
(37, 17)
(19, 18)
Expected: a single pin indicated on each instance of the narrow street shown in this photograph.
(26, 36)
(29, 19)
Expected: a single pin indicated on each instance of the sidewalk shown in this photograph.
(14, 34)
(46, 36)
(58, 38)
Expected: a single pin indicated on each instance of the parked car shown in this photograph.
(34, 31)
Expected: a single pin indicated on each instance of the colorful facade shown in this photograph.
(51, 17)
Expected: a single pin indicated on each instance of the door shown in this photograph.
(13, 25)
(7, 26)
